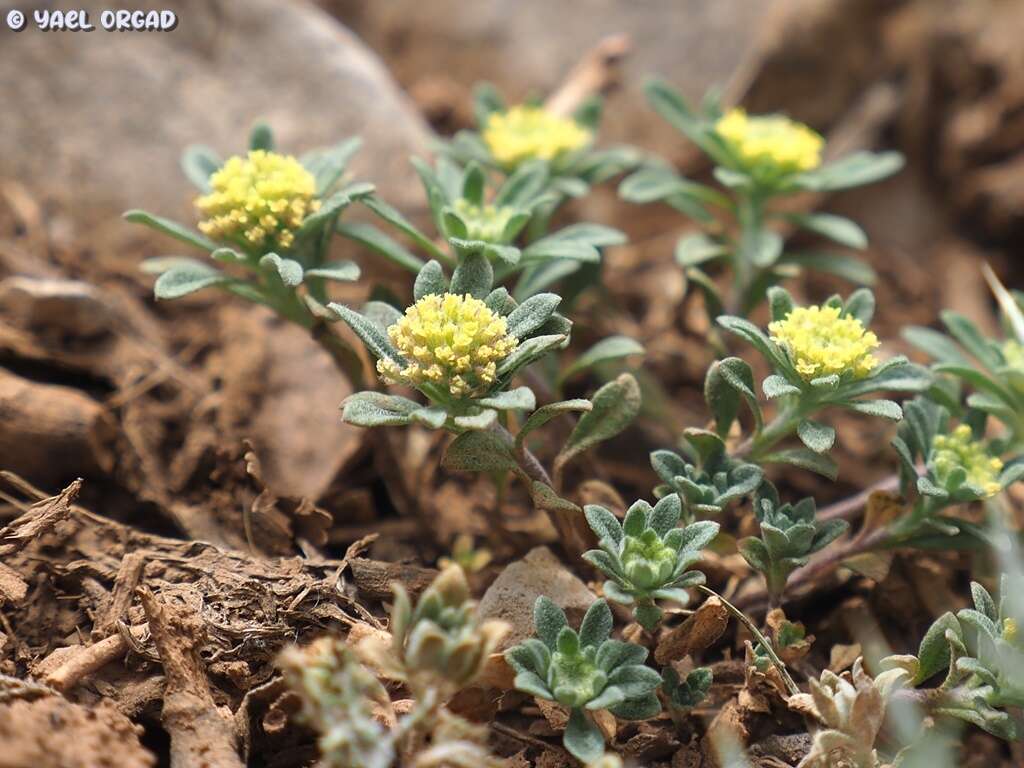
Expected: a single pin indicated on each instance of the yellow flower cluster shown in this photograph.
(961, 450)
(524, 133)
(453, 341)
(484, 222)
(822, 342)
(770, 140)
(261, 198)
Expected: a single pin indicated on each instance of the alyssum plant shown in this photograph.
(268, 218)
(758, 160)
(435, 649)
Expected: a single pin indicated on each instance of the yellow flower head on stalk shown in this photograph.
(524, 133)
(452, 341)
(484, 222)
(261, 198)
(961, 450)
(770, 140)
(821, 342)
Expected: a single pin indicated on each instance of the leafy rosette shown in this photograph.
(584, 671)
(790, 534)
(646, 556)
(710, 480)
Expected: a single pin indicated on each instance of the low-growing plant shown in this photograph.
(507, 137)
(584, 671)
(758, 161)
(646, 557)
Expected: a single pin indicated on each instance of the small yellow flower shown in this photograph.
(466, 556)
(961, 450)
(484, 222)
(1010, 629)
(260, 199)
(524, 133)
(453, 341)
(771, 141)
(822, 342)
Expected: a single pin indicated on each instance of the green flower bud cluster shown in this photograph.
(789, 536)
(441, 637)
(584, 671)
(711, 482)
(646, 556)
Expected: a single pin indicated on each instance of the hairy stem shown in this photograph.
(740, 616)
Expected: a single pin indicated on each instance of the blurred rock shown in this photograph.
(513, 593)
(530, 48)
(102, 117)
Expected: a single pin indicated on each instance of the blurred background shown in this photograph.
(181, 414)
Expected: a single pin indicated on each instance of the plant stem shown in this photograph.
(740, 616)
(777, 430)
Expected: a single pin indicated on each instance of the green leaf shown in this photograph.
(836, 228)
(532, 314)
(755, 336)
(433, 416)
(692, 250)
(860, 305)
(523, 185)
(531, 683)
(430, 281)
(723, 400)
(775, 386)
(473, 183)
(583, 738)
(883, 409)
(936, 345)
(818, 437)
(184, 279)
(548, 621)
(376, 409)
(854, 170)
(780, 302)
(764, 249)
(328, 210)
(612, 348)
(199, 163)
(484, 419)
(616, 404)
(474, 276)
(597, 624)
(847, 267)
(372, 238)
(528, 351)
(603, 523)
(546, 413)
(172, 228)
(289, 270)
(261, 137)
(393, 217)
(643, 708)
(480, 451)
(375, 339)
(805, 459)
(755, 553)
(536, 279)
(933, 654)
(328, 165)
(157, 265)
(635, 680)
(967, 333)
(521, 398)
(340, 271)
(737, 374)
